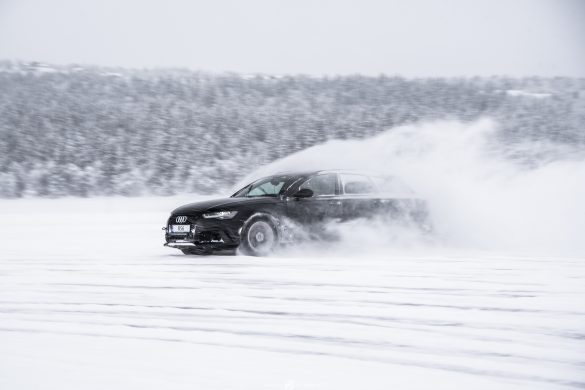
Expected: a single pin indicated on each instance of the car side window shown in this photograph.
(357, 184)
(321, 184)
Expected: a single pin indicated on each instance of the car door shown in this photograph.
(358, 196)
(322, 205)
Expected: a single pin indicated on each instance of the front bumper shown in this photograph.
(180, 245)
(205, 234)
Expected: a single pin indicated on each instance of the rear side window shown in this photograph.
(321, 184)
(356, 184)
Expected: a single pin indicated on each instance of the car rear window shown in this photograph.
(356, 184)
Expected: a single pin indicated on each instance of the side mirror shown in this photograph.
(304, 193)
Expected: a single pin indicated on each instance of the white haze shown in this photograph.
(480, 199)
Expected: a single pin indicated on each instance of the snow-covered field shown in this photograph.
(90, 299)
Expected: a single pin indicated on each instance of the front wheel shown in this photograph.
(259, 238)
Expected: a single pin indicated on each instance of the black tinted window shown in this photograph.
(321, 184)
(357, 184)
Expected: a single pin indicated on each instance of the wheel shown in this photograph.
(193, 251)
(259, 238)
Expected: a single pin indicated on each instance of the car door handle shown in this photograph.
(335, 202)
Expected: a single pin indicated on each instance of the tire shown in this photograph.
(259, 237)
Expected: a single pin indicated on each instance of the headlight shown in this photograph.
(221, 214)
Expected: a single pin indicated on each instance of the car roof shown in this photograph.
(322, 171)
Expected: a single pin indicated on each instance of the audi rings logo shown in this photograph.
(181, 219)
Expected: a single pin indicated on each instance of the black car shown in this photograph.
(272, 210)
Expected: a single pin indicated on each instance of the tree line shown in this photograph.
(86, 131)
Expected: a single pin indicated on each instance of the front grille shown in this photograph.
(170, 237)
(190, 219)
(187, 220)
(174, 234)
(208, 237)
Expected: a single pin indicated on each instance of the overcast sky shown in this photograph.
(407, 37)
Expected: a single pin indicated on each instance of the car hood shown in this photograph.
(221, 203)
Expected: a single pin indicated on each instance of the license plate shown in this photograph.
(180, 228)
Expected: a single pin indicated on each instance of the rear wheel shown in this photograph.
(259, 238)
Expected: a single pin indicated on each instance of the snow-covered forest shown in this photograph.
(83, 131)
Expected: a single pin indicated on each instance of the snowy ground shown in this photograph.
(89, 299)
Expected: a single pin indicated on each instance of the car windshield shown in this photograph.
(269, 186)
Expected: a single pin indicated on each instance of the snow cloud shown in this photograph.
(482, 194)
